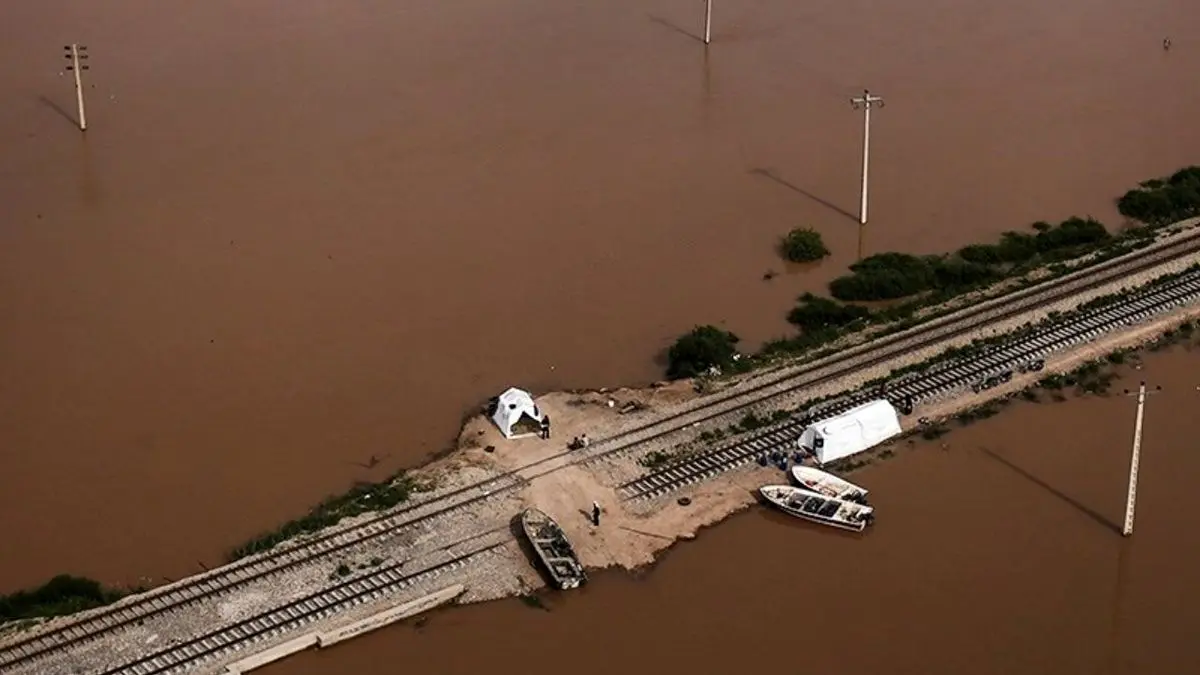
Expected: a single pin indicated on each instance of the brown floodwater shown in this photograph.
(300, 234)
(1000, 553)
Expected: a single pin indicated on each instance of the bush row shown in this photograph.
(932, 279)
(891, 276)
(64, 594)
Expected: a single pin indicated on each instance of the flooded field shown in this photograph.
(998, 553)
(301, 235)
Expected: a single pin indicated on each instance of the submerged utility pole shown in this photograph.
(865, 102)
(707, 20)
(1131, 497)
(76, 53)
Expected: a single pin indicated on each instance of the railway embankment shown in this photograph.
(453, 521)
(482, 486)
(632, 532)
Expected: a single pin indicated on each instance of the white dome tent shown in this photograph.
(508, 408)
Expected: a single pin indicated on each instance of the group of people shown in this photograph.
(576, 443)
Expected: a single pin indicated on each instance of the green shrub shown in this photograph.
(1163, 201)
(1071, 233)
(802, 245)
(700, 349)
(64, 594)
(886, 276)
(890, 276)
(959, 274)
(815, 313)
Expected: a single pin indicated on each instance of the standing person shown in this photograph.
(596, 513)
(546, 427)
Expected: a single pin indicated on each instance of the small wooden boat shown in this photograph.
(818, 508)
(825, 483)
(553, 549)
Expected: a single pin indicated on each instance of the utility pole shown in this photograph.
(866, 101)
(1131, 497)
(75, 54)
(707, 20)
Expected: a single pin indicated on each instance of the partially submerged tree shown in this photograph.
(699, 350)
(802, 245)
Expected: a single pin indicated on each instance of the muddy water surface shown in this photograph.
(998, 553)
(301, 234)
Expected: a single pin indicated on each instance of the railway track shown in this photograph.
(173, 597)
(356, 590)
(887, 348)
(978, 371)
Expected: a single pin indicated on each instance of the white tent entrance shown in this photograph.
(515, 413)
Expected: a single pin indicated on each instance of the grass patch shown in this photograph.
(362, 498)
(534, 601)
(981, 412)
(749, 422)
(934, 431)
(656, 459)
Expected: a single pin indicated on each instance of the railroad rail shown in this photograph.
(97, 623)
(978, 371)
(365, 587)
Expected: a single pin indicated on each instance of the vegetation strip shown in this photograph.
(662, 460)
(926, 282)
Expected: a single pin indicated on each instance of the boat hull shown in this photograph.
(553, 550)
(830, 485)
(818, 508)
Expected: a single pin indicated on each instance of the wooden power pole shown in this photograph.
(77, 53)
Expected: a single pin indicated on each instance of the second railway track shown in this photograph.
(247, 570)
(977, 371)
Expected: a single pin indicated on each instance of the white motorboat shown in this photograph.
(819, 508)
(825, 483)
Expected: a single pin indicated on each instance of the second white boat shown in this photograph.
(827, 484)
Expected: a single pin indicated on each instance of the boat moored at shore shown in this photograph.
(825, 483)
(552, 548)
(819, 508)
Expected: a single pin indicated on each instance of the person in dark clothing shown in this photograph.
(596, 513)
(546, 426)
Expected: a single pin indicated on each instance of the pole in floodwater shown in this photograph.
(77, 53)
(707, 20)
(866, 102)
(1131, 495)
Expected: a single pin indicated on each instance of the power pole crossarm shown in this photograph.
(76, 54)
(866, 102)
